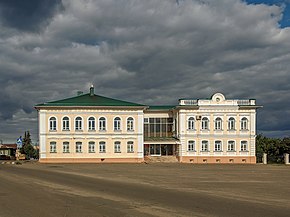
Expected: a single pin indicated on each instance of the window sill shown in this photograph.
(52, 130)
(65, 130)
(91, 130)
(53, 152)
(231, 150)
(79, 130)
(102, 130)
(102, 152)
(191, 151)
(130, 151)
(204, 151)
(117, 152)
(244, 151)
(118, 131)
(219, 151)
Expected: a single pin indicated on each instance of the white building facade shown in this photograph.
(90, 128)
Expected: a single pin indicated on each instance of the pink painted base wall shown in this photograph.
(218, 160)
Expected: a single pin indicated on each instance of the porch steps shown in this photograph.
(161, 159)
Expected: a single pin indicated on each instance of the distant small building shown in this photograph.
(91, 128)
(7, 151)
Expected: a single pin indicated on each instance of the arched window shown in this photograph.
(204, 145)
(91, 147)
(102, 124)
(232, 124)
(130, 147)
(218, 124)
(191, 146)
(130, 124)
(92, 123)
(52, 123)
(78, 147)
(204, 123)
(52, 147)
(102, 147)
(117, 147)
(65, 123)
(78, 123)
(244, 124)
(65, 147)
(191, 123)
(117, 123)
(217, 146)
(244, 146)
(231, 146)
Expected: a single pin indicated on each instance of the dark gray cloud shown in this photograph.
(149, 52)
(27, 15)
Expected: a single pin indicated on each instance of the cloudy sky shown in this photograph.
(149, 52)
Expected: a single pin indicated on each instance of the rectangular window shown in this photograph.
(218, 146)
(102, 147)
(65, 147)
(117, 147)
(191, 146)
(78, 147)
(52, 147)
(204, 146)
(130, 147)
(91, 147)
(231, 146)
(244, 146)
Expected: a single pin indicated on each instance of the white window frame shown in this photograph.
(91, 147)
(231, 145)
(117, 124)
(102, 147)
(130, 147)
(52, 147)
(102, 124)
(52, 123)
(79, 146)
(244, 123)
(204, 146)
(218, 125)
(117, 147)
(205, 123)
(91, 123)
(244, 145)
(232, 123)
(65, 123)
(130, 124)
(65, 147)
(191, 123)
(78, 123)
(191, 146)
(218, 146)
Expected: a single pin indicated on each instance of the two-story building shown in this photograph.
(91, 128)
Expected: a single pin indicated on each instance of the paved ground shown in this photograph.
(172, 189)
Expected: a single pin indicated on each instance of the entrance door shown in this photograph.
(155, 149)
(166, 150)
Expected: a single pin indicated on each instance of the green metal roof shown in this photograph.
(88, 100)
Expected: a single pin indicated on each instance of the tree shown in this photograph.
(275, 148)
(27, 147)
